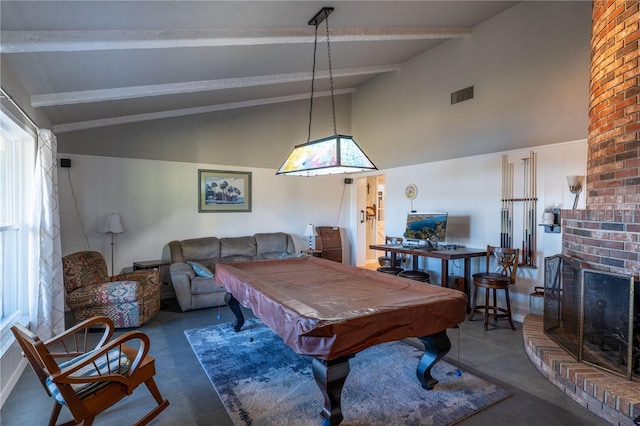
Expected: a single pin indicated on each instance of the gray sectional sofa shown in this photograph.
(195, 291)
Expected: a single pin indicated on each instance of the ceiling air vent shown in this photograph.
(462, 95)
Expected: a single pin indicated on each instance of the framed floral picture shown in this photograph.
(222, 191)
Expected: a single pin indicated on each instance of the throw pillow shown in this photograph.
(200, 269)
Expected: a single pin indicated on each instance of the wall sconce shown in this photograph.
(310, 232)
(575, 187)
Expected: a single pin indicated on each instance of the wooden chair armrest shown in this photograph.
(143, 347)
(84, 325)
(74, 341)
(66, 375)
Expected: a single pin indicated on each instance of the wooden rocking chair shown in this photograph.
(92, 379)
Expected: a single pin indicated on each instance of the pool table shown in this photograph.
(331, 311)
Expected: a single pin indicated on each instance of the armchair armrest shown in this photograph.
(113, 292)
(181, 268)
(181, 276)
(145, 277)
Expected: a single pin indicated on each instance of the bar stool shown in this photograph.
(501, 279)
(389, 270)
(415, 275)
(385, 261)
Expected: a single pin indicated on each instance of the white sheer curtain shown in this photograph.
(46, 291)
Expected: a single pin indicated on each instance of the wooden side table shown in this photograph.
(316, 253)
(150, 264)
(162, 266)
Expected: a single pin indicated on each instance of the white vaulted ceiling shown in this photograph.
(92, 64)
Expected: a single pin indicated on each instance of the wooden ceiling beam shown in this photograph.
(78, 40)
(119, 93)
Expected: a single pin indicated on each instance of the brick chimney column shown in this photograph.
(613, 178)
(607, 234)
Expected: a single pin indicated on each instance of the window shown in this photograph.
(17, 159)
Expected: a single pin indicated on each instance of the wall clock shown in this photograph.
(411, 191)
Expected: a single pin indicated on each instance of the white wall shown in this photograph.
(469, 189)
(530, 69)
(158, 203)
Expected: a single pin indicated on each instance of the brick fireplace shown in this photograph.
(606, 234)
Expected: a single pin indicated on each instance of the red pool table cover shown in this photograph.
(328, 310)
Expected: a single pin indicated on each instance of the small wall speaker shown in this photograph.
(348, 181)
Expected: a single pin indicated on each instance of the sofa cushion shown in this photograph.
(237, 258)
(200, 269)
(200, 248)
(238, 246)
(274, 255)
(271, 243)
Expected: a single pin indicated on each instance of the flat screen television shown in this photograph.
(426, 226)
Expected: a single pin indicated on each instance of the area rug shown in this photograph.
(261, 381)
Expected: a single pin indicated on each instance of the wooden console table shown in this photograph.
(443, 254)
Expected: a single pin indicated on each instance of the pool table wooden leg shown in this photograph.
(436, 346)
(234, 305)
(330, 377)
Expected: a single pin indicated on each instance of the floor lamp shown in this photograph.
(112, 225)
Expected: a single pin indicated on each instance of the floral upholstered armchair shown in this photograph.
(129, 299)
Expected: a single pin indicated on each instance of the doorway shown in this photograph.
(374, 218)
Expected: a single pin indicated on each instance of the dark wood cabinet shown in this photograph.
(329, 242)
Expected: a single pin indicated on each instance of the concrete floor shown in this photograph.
(497, 355)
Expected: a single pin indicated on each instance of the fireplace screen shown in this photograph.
(562, 295)
(607, 320)
(593, 315)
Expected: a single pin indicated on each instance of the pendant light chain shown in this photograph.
(325, 156)
(333, 102)
(313, 78)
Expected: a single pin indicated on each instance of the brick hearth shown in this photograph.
(611, 397)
